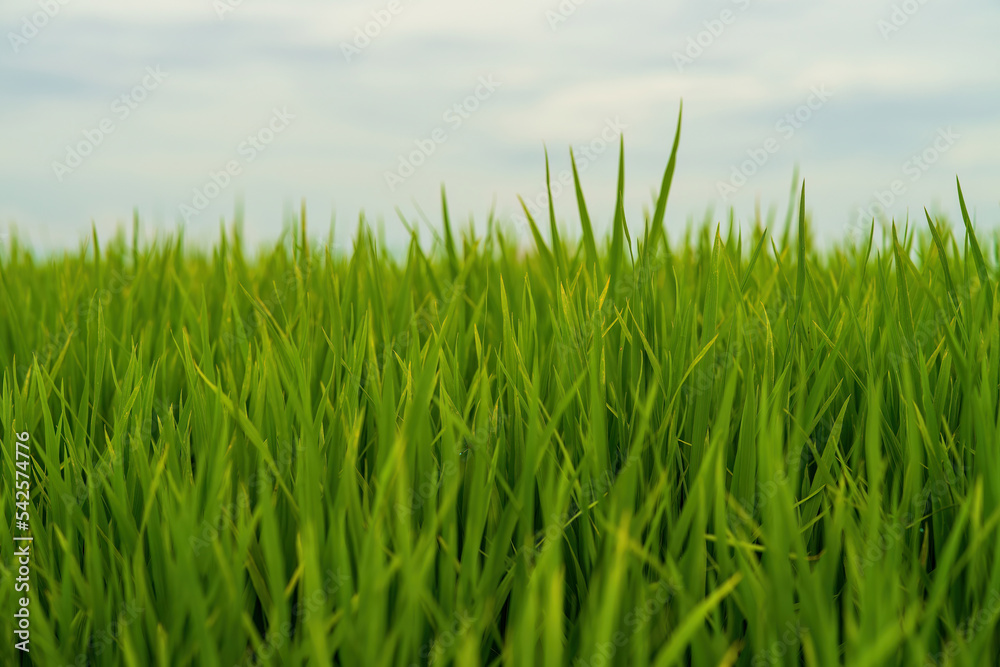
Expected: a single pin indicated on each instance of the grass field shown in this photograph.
(727, 450)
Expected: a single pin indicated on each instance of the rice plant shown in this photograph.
(711, 448)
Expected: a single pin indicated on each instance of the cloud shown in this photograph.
(559, 87)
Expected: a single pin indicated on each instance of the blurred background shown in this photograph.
(181, 109)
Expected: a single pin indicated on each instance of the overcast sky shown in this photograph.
(174, 108)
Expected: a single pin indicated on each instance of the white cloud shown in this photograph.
(606, 60)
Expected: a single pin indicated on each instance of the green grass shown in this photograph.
(730, 450)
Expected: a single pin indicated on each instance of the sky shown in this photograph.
(179, 110)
